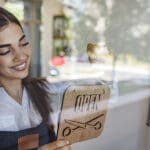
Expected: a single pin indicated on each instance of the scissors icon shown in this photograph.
(82, 125)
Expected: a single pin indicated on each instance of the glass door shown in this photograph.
(110, 45)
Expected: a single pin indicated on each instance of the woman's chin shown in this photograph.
(22, 75)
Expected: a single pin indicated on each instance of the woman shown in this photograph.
(24, 108)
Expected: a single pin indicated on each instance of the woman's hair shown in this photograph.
(36, 87)
(6, 17)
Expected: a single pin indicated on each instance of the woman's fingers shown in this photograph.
(60, 144)
(66, 147)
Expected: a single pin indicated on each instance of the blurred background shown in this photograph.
(85, 39)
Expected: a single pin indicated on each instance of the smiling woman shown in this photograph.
(25, 107)
(14, 54)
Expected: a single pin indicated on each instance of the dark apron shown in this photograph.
(9, 139)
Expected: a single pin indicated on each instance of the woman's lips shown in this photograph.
(20, 67)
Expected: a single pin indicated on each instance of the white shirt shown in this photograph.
(15, 116)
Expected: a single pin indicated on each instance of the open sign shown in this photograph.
(83, 112)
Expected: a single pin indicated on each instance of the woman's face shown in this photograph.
(14, 53)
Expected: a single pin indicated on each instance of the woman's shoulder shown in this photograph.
(35, 82)
(52, 88)
(57, 87)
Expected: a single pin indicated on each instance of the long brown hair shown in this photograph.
(37, 91)
(36, 87)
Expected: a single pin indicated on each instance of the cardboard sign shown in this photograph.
(83, 112)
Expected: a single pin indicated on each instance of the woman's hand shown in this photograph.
(57, 145)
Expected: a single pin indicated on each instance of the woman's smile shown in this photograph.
(20, 67)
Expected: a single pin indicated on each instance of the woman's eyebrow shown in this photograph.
(5, 45)
(23, 36)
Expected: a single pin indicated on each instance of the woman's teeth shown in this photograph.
(20, 67)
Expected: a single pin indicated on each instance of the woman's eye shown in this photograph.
(4, 52)
(24, 44)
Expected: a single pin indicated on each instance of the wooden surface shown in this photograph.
(83, 112)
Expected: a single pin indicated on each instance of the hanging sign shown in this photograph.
(83, 112)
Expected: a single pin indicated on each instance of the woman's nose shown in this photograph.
(19, 55)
